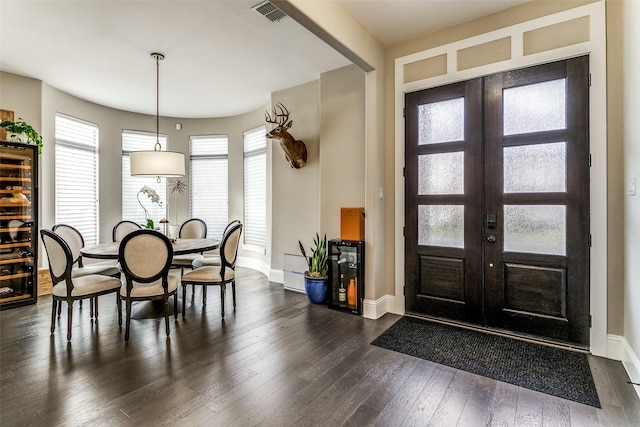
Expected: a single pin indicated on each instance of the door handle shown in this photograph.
(491, 221)
(491, 239)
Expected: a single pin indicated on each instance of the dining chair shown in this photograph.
(217, 275)
(214, 259)
(74, 239)
(123, 228)
(193, 228)
(68, 288)
(145, 259)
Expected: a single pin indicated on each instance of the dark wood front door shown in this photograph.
(497, 201)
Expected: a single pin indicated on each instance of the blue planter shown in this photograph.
(316, 289)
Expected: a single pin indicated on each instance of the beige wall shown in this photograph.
(331, 22)
(328, 116)
(22, 96)
(615, 173)
(295, 192)
(631, 126)
(342, 153)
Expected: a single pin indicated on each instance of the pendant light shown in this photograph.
(157, 163)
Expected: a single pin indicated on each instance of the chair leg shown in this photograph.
(184, 299)
(54, 305)
(128, 320)
(166, 312)
(119, 304)
(233, 291)
(204, 294)
(69, 319)
(95, 308)
(175, 306)
(223, 289)
(59, 308)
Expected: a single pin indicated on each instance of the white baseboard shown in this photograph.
(615, 345)
(253, 264)
(374, 309)
(276, 276)
(619, 349)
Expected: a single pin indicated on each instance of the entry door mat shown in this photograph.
(550, 370)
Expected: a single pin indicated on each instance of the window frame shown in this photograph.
(215, 225)
(253, 152)
(64, 141)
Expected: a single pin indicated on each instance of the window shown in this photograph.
(131, 185)
(76, 172)
(209, 189)
(255, 187)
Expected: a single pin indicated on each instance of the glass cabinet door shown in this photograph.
(346, 275)
(18, 242)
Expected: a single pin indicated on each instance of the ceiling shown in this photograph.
(222, 58)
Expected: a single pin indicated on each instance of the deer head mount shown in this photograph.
(294, 151)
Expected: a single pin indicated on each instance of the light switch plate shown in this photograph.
(631, 187)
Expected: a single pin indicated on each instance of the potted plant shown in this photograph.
(316, 278)
(155, 198)
(20, 131)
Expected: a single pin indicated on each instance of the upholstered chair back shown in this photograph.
(59, 256)
(229, 245)
(145, 256)
(193, 228)
(72, 237)
(231, 224)
(123, 228)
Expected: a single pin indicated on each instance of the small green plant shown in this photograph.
(318, 262)
(16, 129)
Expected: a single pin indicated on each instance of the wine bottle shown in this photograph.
(342, 292)
(351, 292)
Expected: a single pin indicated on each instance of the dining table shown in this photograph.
(180, 247)
(154, 308)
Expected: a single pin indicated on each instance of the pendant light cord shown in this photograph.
(157, 147)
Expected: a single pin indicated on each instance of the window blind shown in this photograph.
(209, 186)
(131, 185)
(255, 187)
(76, 175)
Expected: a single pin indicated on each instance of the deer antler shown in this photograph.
(279, 119)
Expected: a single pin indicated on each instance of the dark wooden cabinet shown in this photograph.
(18, 224)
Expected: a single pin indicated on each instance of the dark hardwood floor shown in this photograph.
(275, 361)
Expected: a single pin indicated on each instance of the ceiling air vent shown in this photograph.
(269, 11)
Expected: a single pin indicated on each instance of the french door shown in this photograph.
(497, 201)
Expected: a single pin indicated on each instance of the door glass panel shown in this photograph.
(535, 168)
(441, 225)
(534, 108)
(441, 121)
(441, 173)
(539, 229)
